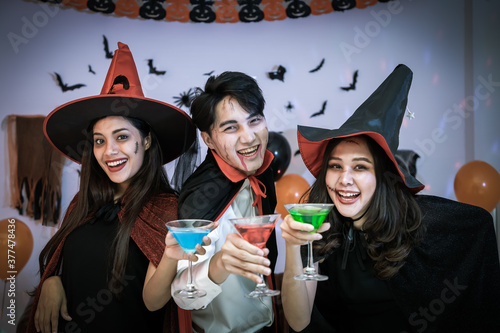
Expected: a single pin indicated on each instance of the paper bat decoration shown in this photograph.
(352, 86)
(209, 73)
(91, 70)
(320, 112)
(279, 74)
(109, 55)
(318, 67)
(289, 107)
(64, 86)
(153, 70)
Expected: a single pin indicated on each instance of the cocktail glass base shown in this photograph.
(262, 291)
(190, 292)
(310, 275)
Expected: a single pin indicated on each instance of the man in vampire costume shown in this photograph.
(235, 180)
(396, 261)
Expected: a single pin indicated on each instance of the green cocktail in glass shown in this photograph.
(314, 214)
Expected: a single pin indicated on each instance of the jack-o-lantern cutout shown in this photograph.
(202, 11)
(250, 11)
(274, 10)
(362, 4)
(101, 6)
(152, 10)
(298, 8)
(128, 8)
(226, 11)
(178, 11)
(319, 7)
(341, 5)
(78, 4)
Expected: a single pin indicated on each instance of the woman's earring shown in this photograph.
(148, 142)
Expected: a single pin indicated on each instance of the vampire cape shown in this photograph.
(148, 233)
(450, 282)
(207, 194)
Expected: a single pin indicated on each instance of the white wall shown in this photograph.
(434, 38)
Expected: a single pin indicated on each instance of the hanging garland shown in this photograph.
(215, 11)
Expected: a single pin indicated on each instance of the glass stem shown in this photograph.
(310, 264)
(190, 285)
(261, 285)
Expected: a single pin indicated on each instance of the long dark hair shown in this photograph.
(393, 220)
(97, 190)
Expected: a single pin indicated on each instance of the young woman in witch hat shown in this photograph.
(396, 261)
(95, 269)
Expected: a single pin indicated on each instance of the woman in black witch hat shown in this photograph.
(396, 261)
(95, 269)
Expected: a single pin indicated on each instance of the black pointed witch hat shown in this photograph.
(379, 117)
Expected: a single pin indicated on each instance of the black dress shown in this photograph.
(356, 300)
(86, 275)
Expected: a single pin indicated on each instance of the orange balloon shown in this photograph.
(289, 189)
(478, 183)
(16, 245)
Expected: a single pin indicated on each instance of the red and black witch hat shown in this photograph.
(121, 95)
(379, 117)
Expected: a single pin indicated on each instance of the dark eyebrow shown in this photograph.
(250, 115)
(363, 159)
(227, 123)
(357, 159)
(114, 132)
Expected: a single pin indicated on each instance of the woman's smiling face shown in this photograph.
(119, 149)
(238, 137)
(350, 178)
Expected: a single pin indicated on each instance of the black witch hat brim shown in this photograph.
(66, 127)
(379, 117)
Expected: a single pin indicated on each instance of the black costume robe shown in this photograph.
(449, 283)
(207, 193)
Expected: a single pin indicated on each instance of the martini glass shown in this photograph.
(256, 230)
(189, 233)
(313, 214)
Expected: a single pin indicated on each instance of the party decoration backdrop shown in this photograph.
(289, 189)
(478, 183)
(16, 240)
(279, 146)
(215, 11)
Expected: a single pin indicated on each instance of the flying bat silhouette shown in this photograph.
(352, 86)
(108, 54)
(91, 70)
(209, 73)
(279, 74)
(318, 67)
(153, 70)
(64, 86)
(320, 112)
(289, 107)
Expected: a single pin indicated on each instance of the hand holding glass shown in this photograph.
(313, 214)
(188, 234)
(256, 230)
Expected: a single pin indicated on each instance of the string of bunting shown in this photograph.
(215, 11)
